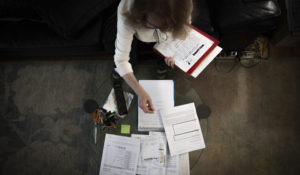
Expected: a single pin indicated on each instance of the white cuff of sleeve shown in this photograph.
(124, 69)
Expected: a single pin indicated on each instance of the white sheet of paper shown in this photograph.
(172, 162)
(184, 164)
(120, 155)
(172, 165)
(162, 95)
(206, 61)
(186, 52)
(162, 146)
(152, 166)
(168, 165)
(182, 129)
(158, 166)
(150, 146)
(143, 165)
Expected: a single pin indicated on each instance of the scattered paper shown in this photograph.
(120, 155)
(162, 95)
(156, 164)
(182, 129)
(111, 103)
(170, 163)
(150, 147)
(143, 165)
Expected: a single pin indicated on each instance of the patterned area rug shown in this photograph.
(44, 128)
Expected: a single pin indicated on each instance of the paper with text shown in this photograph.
(182, 129)
(120, 155)
(186, 52)
(170, 165)
(166, 164)
(154, 165)
(143, 165)
(150, 148)
(162, 95)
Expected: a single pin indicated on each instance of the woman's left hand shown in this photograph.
(170, 61)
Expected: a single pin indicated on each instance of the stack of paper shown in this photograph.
(165, 164)
(162, 95)
(155, 161)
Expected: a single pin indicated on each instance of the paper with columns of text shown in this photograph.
(120, 155)
(192, 54)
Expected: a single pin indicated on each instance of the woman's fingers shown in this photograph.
(167, 60)
(146, 105)
(150, 106)
(143, 107)
(170, 61)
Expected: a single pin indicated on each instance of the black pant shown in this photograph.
(137, 46)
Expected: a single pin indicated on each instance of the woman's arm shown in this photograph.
(145, 101)
(121, 58)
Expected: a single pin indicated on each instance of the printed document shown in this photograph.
(196, 51)
(154, 164)
(162, 95)
(120, 155)
(143, 165)
(165, 164)
(182, 129)
(186, 52)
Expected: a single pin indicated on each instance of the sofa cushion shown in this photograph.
(238, 15)
(17, 10)
(69, 17)
(202, 18)
(33, 39)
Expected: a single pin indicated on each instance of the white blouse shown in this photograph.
(124, 38)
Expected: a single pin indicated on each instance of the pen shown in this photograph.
(95, 133)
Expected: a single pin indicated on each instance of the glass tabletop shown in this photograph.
(184, 93)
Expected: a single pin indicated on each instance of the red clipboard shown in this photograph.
(200, 60)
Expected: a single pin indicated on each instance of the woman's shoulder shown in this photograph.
(125, 6)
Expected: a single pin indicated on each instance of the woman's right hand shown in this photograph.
(145, 102)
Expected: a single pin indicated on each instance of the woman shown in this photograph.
(149, 21)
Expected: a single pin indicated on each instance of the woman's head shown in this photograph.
(167, 15)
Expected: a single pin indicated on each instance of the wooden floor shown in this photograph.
(279, 52)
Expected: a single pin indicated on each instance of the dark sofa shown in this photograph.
(50, 28)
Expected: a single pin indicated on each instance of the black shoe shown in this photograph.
(203, 111)
(162, 69)
(161, 74)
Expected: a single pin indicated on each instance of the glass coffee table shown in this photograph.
(184, 93)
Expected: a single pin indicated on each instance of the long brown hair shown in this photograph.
(173, 14)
